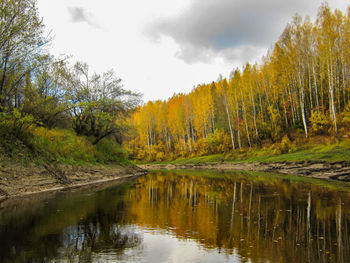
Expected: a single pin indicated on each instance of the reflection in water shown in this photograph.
(259, 218)
(70, 228)
(184, 217)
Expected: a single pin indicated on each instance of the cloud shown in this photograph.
(80, 15)
(227, 28)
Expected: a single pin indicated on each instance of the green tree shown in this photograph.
(21, 42)
(98, 104)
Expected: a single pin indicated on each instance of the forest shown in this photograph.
(300, 90)
(49, 106)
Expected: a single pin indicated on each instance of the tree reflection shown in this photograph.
(261, 219)
(258, 218)
(78, 228)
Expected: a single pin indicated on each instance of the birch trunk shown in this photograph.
(229, 124)
(331, 97)
(238, 124)
(246, 123)
(254, 112)
(302, 105)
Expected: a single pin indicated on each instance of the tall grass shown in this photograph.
(66, 146)
(63, 144)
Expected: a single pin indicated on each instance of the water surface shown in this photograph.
(184, 216)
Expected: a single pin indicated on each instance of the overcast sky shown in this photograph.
(162, 47)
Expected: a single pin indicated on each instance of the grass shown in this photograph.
(201, 159)
(330, 152)
(39, 145)
(339, 151)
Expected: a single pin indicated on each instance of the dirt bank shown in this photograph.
(19, 180)
(322, 170)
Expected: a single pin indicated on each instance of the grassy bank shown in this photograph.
(331, 151)
(38, 145)
(40, 160)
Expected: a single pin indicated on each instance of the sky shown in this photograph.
(162, 47)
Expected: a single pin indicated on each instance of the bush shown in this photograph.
(62, 144)
(160, 157)
(200, 147)
(284, 146)
(16, 123)
(212, 143)
(14, 134)
(345, 118)
(320, 123)
(109, 151)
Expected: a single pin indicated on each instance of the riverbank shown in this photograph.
(47, 160)
(339, 170)
(315, 159)
(19, 180)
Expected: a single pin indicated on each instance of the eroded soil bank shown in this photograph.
(20, 181)
(322, 170)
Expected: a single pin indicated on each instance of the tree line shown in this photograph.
(39, 90)
(302, 88)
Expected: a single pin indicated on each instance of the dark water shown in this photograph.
(183, 217)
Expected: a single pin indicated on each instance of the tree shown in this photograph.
(43, 95)
(98, 104)
(21, 42)
(223, 91)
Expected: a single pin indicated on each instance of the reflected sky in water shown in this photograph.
(183, 216)
(163, 247)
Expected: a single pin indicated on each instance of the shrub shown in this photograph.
(212, 143)
(62, 144)
(160, 157)
(15, 122)
(284, 146)
(346, 117)
(109, 151)
(320, 122)
(200, 147)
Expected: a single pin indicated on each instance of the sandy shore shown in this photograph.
(21, 181)
(322, 170)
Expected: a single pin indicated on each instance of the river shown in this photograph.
(183, 216)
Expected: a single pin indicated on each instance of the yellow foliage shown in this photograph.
(200, 147)
(284, 146)
(276, 120)
(320, 122)
(160, 157)
(346, 117)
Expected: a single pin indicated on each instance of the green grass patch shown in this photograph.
(331, 152)
(202, 159)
